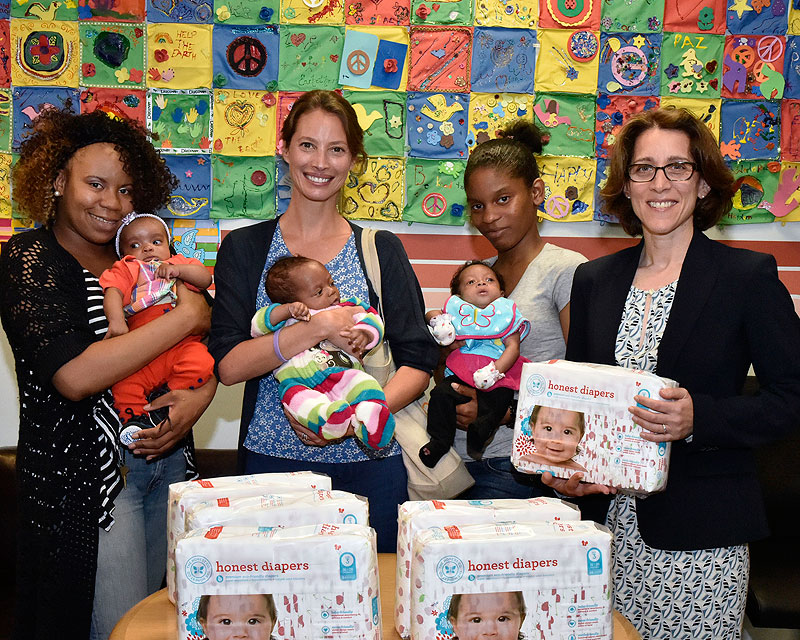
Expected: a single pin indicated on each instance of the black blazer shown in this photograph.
(730, 310)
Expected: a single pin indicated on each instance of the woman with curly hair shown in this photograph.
(92, 515)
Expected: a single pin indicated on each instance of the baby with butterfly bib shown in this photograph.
(491, 328)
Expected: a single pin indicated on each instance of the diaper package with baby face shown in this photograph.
(312, 582)
(414, 516)
(280, 510)
(182, 495)
(538, 581)
(574, 417)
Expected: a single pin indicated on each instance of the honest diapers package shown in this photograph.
(184, 494)
(545, 581)
(574, 417)
(313, 582)
(280, 510)
(414, 516)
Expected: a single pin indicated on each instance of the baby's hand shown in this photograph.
(116, 329)
(358, 339)
(299, 311)
(487, 376)
(168, 271)
(442, 330)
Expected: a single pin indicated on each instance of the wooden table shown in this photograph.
(154, 617)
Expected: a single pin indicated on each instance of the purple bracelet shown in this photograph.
(276, 346)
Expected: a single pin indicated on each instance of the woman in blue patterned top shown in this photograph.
(322, 142)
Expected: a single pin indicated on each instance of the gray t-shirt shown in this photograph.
(541, 293)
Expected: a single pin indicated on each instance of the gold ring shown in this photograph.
(665, 428)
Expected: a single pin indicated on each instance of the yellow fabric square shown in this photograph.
(794, 20)
(491, 112)
(569, 188)
(392, 34)
(243, 123)
(5, 185)
(376, 194)
(312, 12)
(706, 110)
(507, 13)
(557, 70)
(47, 53)
(179, 56)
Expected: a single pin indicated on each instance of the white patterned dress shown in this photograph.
(669, 594)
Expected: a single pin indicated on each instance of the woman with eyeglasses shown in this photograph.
(699, 312)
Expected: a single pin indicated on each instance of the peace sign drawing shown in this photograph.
(247, 56)
(358, 62)
(434, 205)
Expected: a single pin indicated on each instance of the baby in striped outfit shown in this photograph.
(324, 388)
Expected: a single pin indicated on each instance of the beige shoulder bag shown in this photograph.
(449, 477)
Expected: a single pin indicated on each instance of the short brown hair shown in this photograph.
(202, 607)
(334, 103)
(455, 281)
(279, 285)
(455, 602)
(705, 154)
(538, 407)
(58, 134)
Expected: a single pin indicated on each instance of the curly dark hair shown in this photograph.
(455, 281)
(514, 152)
(705, 154)
(334, 103)
(279, 284)
(58, 134)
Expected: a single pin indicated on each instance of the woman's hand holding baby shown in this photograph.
(665, 420)
(196, 309)
(573, 486)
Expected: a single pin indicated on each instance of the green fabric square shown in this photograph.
(757, 182)
(632, 16)
(382, 115)
(569, 120)
(451, 12)
(182, 120)
(435, 192)
(249, 12)
(36, 10)
(691, 65)
(5, 120)
(310, 57)
(243, 187)
(112, 54)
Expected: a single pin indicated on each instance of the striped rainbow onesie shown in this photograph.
(326, 389)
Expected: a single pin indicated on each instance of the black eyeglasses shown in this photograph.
(675, 171)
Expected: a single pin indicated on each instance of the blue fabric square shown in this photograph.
(29, 101)
(771, 20)
(388, 50)
(753, 125)
(283, 185)
(437, 125)
(192, 198)
(187, 11)
(629, 63)
(503, 60)
(246, 57)
(791, 67)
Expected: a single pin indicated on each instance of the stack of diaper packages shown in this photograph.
(417, 516)
(184, 495)
(538, 581)
(312, 582)
(573, 417)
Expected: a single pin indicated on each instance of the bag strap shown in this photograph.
(372, 263)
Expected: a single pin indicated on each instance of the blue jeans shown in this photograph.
(496, 478)
(383, 482)
(132, 556)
